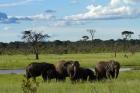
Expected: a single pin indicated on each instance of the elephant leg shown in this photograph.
(108, 75)
(84, 79)
(73, 81)
(28, 78)
(101, 76)
(58, 79)
(28, 75)
(48, 80)
(113, 75)
(44, 76)
(44, 79)
(91, 78)
(61, 78)
(97, 76)
(117, 73)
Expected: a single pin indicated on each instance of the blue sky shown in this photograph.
(69, 19)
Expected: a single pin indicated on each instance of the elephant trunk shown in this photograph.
(117, 70)
(76, 66)
(75, 71)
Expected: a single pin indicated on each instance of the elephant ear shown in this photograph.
(112, 64)
(77, 64)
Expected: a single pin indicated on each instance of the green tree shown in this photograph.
(34, 38)
(126, 36)
(85, 38)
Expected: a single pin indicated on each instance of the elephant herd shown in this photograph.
(73, 70)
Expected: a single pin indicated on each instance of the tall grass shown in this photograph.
(127, 82)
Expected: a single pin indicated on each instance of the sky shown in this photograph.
(69, 19)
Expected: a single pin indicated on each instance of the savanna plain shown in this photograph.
(127, 82)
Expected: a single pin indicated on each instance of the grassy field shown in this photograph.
(127, 82)
(88, 60)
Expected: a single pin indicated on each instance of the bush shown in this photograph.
(29, 86)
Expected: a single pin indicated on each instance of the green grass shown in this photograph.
(127, 82)
(88, 60)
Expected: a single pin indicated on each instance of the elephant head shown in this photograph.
(116, 68)
(73, 68)
(76, 66)
(67, 68)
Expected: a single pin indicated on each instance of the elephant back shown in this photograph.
(60, 66)
(37, 68)
(100, 66)
(48, 66)
(66, 67)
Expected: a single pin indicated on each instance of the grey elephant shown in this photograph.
(36, 69)
(107, 69)
(67, 68)
(84, 74)
(53, 74)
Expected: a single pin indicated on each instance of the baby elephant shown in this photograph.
(84, 74)
(53, 74)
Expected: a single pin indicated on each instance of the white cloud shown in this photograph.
(21, 2)
(64, 23)
(123, 2)
(115, 2)
(42, 16)
(47, 15)
(115, 10)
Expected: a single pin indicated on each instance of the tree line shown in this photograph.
(66, 47)
(34, 43)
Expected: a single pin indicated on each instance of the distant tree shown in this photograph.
(92, 33)
(127, 36)
(34, 38)
(85, 38)
(115, 49)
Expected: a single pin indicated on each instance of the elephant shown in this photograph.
(53, 74)
(107, 69)
(35, 69)
(84, 74)
(67, 68)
